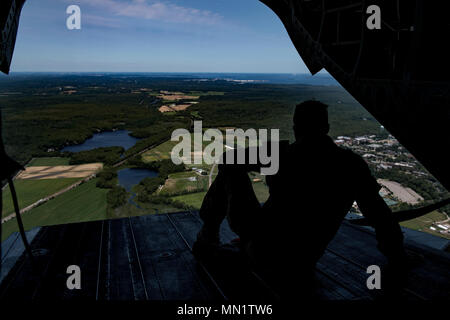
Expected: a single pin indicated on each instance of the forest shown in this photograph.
(43, 113)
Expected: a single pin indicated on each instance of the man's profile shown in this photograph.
(314, 189)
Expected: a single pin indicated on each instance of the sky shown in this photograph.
(242, 36)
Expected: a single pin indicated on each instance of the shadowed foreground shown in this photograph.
(149, 257)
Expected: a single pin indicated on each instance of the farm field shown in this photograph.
(192, 199)
(84, 203)
(188, 181)
(195, 199)
(423, 223)
(29, 191)
(49, 161)
(58, 172)
(160, 152)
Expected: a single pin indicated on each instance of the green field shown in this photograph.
(163, 151)
(29, 191)
(182, 182)
(183, 174)
(84, 203)
(195, 199)
(208, 93)
(49, 161)
(423, 223)
(160, 152)
(192, 199)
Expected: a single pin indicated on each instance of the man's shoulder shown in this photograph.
(351, 160)
(349, 154)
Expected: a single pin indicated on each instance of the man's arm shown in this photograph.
(373, 207)
(388, 232)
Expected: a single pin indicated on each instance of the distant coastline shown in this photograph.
(322, 79)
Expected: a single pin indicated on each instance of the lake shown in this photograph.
(130, 177)
(119, 138)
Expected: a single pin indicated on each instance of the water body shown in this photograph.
(321, 79)
(130, 177)
(119, 138)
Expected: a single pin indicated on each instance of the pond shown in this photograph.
(130, 177)
(119, 138)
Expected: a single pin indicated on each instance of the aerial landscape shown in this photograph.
(97, 146)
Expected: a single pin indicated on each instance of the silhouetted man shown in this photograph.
(314, 188)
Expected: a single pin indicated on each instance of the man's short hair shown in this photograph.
(311, 116)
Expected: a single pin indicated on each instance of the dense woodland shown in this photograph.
(41, 113)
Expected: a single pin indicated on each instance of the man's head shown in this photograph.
(310, 119)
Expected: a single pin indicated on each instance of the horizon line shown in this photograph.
(172, 72)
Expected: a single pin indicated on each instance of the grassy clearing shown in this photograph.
(160, 152)
(29, 191)
(181, 175)
(179, 185)
(84, 203)
(193, 199)
(49, 161)
(207, 93)
(163, 151)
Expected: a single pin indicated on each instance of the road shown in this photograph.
(211, 173)
(122, 161)
(44, 200)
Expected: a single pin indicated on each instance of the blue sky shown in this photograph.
(154, 36)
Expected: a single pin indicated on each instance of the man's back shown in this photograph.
(310, 195)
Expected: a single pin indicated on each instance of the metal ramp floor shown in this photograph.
(149, 258)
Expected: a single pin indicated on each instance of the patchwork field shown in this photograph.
(58, 172)
(174, 108)
(176, 96)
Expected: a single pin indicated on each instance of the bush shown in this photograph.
(116, 197)
(106, 179)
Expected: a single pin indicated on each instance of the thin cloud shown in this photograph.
(100, 21)
(156, 10)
